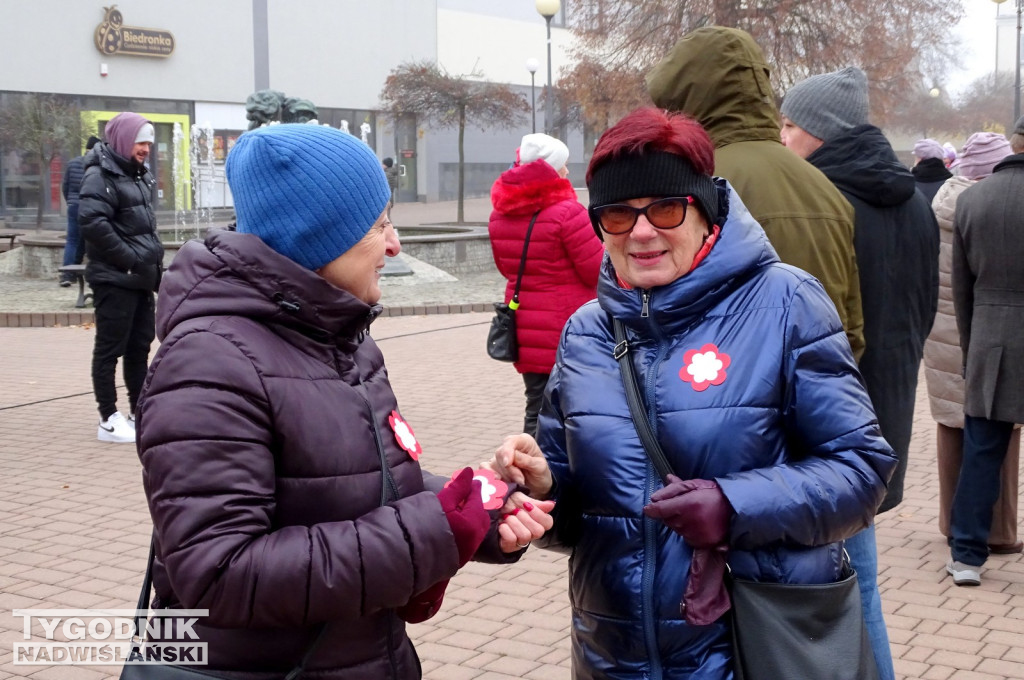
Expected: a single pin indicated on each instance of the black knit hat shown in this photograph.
(657, 173)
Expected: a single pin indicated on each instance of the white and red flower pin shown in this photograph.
(405, 436)
(492, 489)
(704, 367)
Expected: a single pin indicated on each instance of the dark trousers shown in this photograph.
(985, 443)
(125, 327)
(535, 384)
(74, 248)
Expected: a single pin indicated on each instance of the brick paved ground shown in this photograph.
(74, 528)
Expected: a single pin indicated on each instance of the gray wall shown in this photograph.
(488, 153)
(337, 53)
(212, 59)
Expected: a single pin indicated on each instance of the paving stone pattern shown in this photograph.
(74, 527)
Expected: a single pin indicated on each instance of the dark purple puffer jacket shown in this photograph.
(262, 429)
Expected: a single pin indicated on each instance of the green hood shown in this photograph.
(719, 77)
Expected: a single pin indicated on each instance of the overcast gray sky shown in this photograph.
(978, 33)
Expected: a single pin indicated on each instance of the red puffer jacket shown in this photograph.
(562, 263)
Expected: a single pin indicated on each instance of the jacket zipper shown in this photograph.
(650, 527)
(388, 489)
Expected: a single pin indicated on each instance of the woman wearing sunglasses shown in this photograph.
(750, 387)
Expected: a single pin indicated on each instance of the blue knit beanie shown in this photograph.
(309, 191)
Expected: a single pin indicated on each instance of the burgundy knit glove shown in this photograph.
(696, 509)
(423, 606)
(464, 509)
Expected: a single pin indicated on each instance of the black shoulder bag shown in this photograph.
(779, 630)
(501, 338)
(137, 671)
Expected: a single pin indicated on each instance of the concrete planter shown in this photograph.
(40, 257)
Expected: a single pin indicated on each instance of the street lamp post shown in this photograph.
(1016, 78)
(548, 9)
(531, 66)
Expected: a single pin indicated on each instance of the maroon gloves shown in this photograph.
(423, 606)
(697, 510)
(706, 598)
(464, 509)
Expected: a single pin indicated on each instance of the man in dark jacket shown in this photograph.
(929, 169)
(125, 262)
(825, 120)
(74, 245)
(719, 77)
(988, 295)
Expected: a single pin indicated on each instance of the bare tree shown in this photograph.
(928, 113)
(987, 104)
(449, 101)
(604, 95)
(44, 126)
(900, 44)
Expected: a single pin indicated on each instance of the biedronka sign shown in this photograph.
(113, 37)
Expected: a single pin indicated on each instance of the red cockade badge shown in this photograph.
(405, 436)
(492, 489)
(703, 367)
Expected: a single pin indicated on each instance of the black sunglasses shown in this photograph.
(619, 218)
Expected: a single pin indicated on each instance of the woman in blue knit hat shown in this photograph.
(281, 474)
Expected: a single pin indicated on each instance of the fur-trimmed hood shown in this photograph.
(525, 189)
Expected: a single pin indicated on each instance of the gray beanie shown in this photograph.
(1018, 129)
(829, 104)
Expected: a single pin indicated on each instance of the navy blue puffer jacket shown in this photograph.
(785, 427)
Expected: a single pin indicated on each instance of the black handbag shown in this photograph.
(794, 630)
(780, 631)
(151, 671)
(501, 338)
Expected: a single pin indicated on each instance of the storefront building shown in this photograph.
(188, 66)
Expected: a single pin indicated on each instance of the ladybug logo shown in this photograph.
(108, 34)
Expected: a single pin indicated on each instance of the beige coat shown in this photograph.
(943, 359)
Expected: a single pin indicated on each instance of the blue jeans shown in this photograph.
(977, 490)
(73, 250)
(864, 559)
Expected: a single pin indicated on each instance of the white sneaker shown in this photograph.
(964, 574)
(116, 429)
(131, 420)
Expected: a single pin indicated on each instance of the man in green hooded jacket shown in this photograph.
(719, 77)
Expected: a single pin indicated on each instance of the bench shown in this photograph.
(77, 271)
(10, 236)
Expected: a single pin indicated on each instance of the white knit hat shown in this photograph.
(540, 146)
(146, 134)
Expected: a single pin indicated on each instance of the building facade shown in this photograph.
(189, 66)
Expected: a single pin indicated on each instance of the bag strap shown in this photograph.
(147, 584)
(143, 606)
(514, 303)
(636, 407)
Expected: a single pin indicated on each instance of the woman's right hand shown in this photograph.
(521, 461)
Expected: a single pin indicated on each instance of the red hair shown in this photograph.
(651, 129)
